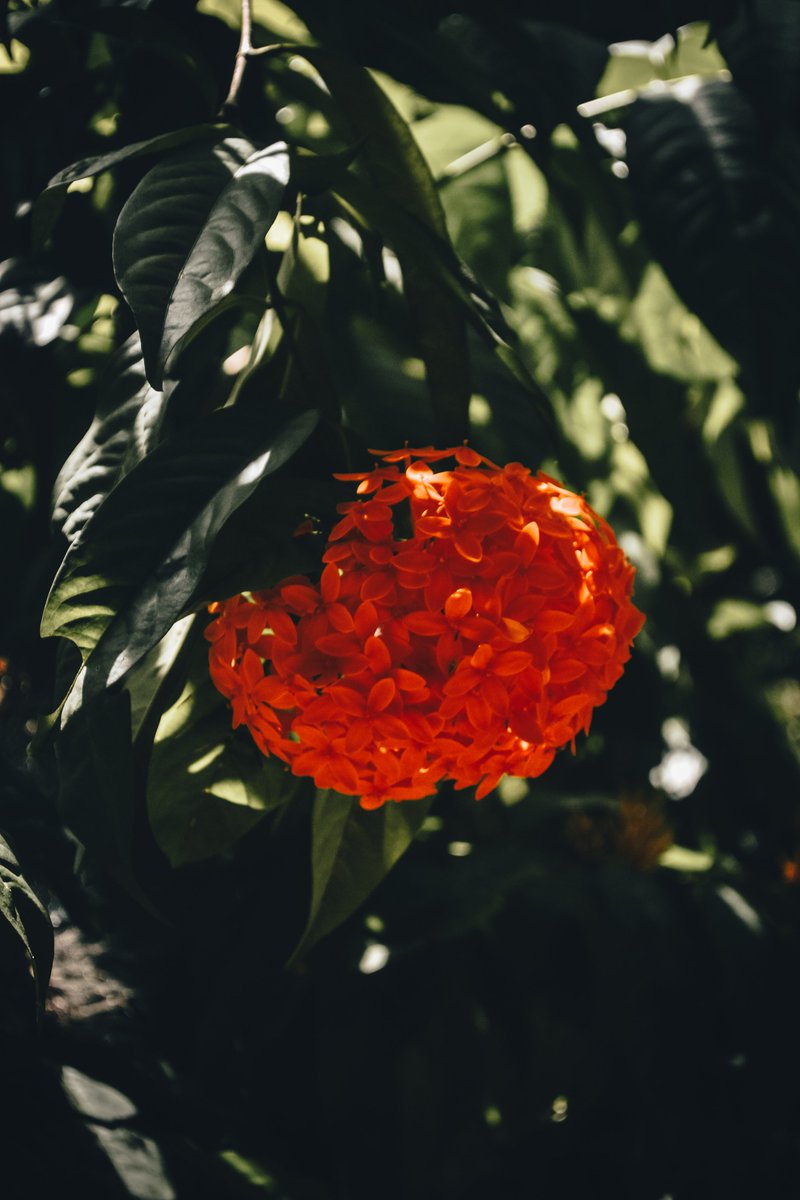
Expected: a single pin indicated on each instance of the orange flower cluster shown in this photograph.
(465, 625)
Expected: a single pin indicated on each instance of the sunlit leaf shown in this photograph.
(188, 231)
(437, 269)
(351, 852)
(139, 560)
(34, 305)
(208, 785)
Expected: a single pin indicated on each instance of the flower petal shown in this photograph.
(381, 695)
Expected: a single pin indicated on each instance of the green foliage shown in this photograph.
(186, 234)
(51, 201)
(351, 851)
(578, 249)
(206, 786)
(26, 947)
(140, 559)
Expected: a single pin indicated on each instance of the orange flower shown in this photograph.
(473, 648)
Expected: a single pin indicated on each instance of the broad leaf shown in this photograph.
(136, 566)
(124, 430)
(186, 234)
(351, 852)
(713, 206)
(208, 784)
(50, 202)
(102, 747)
(434, 261)
(26, 944)
(258, 549)
(387, 145)
(394, 162)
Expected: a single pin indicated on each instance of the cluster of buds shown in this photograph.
(466, 624)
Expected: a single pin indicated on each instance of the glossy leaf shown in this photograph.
(225, 246)
(139, 560)
(124, 430)
(51, 201)
(351, 852)
(186, 234)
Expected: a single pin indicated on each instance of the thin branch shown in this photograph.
(245, 51)
(245, 46)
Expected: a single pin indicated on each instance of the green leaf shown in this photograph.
(26, 942)
(351, 852)
(186, 234)
(208, 784)
(136, 567)
(233, 232)
(96, 776)
(432, 260)
(717, 201)
(102, 746)
(124, 430)
(49, 204)
(312, 173)
(256, 551)
(397, 168)
(387, 145)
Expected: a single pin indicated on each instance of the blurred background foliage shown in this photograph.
(584, 986)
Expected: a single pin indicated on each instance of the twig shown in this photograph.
(245, 45)
(246, 50)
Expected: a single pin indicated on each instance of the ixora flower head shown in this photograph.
(466, 624)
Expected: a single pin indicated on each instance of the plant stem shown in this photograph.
(245, 50)
(245, 46)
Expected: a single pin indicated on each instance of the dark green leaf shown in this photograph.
(208, 784)
(543, 67)
(227, 242)
(257, 551)
(186, 234)
(311, 173)
(432, 260)
(715, 206)
(50, 202)
(760, 41)
(96, 775)
(387, 145)
(351, 852)
(394, 162)
(136, 566)
(123, 431)
(27, 954)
